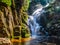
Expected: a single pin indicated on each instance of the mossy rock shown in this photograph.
(25, 5)
(8, 2)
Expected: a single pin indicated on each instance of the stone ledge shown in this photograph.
(5, 41)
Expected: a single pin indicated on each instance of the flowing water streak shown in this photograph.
(34, 26)
(32, 21)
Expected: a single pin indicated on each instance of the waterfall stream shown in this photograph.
(32, 22)
(34, 26)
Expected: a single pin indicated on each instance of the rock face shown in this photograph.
(12, 17)
(5, 41)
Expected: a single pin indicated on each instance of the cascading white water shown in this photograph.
(32, 22)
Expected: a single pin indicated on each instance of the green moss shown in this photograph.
(24, 16)
(8, 2)
(25, 5)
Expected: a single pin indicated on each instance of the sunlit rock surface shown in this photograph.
(5, 41)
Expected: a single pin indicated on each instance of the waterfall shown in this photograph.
(34, 26)
(32, 22)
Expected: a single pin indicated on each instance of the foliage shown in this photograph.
(25, 5)
(8, 2)
(24, 17)
(53, 20)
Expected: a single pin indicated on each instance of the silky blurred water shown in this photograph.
(33, 24)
